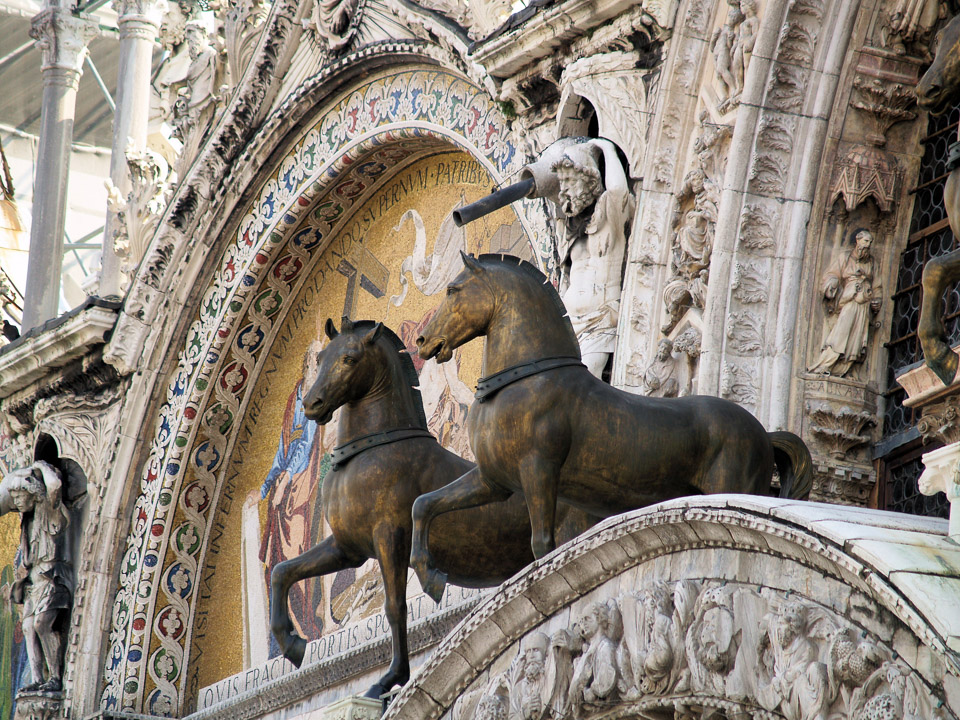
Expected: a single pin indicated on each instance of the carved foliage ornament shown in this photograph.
(691, 648)
(840, 430)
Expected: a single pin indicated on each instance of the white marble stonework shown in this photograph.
(740, 605)
(942, 474)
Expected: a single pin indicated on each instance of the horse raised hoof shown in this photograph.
(434, 583)
(294, 648)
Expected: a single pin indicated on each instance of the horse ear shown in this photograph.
(346, 324)
(471, 263)
(371, 337)
(329, 329)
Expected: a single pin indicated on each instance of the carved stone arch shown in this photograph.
(410, 108)
(710, 603)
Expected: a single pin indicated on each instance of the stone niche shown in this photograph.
(720, 607)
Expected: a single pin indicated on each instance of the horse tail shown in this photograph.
(794, 464)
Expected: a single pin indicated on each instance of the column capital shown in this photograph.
(62, 38)
(141, 18)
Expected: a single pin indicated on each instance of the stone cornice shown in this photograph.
(58, 343)
(507, 51)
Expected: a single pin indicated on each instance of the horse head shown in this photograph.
(940, 84)
(463, 315)
(347, 368)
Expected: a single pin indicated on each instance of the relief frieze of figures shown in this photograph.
(699, 649)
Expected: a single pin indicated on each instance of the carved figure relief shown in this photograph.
(659, 378)
(694, 645)
(46, 586)
(849, 294)
(332, 22)
(732, 46)
(694, 223)
(906, 23)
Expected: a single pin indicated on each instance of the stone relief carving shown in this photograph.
(768, 174)
(333, 23)
(684, 649)
(45, 586)
(745, 330)
(941, 421)
(886, 103)
(849, 295)
(659, 378)
(840, 430)
(612, 84)
(906, 23)
(694, 223)
(787, 88)
(749, 283)
(756, 227)
(592, 255)
(866, 172)
(739, 383)
(797, 43)
(140, 212)
(732, 45)
(242, 23)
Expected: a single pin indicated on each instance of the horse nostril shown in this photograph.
(420, 341)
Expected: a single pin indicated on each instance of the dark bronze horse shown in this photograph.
(545, 427)
(385, 459)
(937, 90)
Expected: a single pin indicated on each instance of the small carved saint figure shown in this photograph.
(724, 40)
(659, 378)
(46, 588)
(746, 39)
(596, 673)
(849, 293)
(596, 238)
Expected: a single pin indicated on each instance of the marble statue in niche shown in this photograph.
(849, 294)
(46, 587)
(598, 209)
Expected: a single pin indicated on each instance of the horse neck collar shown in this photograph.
(487, 386)
(342, 453)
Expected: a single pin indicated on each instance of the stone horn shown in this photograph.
(537, 179)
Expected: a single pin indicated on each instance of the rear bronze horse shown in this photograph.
(937, 91)
(545, 427)
(385, 459)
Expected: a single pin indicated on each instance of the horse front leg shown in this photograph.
(539, 477)
(938, 273)
(392, 545)
(323, 558)
(469, 491)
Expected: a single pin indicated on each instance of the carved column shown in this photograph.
(139, 23)
(62, 39)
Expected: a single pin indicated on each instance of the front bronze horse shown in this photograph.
(385, 459)
(545, 427)
(937, 91)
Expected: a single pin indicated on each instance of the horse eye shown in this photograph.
(452, 290)
(347, 360)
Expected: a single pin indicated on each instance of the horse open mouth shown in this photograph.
(319, 414)
(936, 101)
(437, 347)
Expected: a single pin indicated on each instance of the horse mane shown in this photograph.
(531, 270)
(407, 368)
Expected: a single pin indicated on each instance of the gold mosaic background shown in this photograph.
(411, 209)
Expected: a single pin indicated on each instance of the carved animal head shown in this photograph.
(463, 315)
(346, 368)
(940, 85)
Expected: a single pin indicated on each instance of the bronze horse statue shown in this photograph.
(545, 427)
(937, 90)
(384, 460)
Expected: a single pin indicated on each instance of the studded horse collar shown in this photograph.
(342, 453)
(491, 384)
